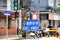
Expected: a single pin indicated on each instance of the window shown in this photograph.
(58, 1)
(44, 16)
(53, 23)
(2, 23)
(12, 23)
(3, 4)
(59, 24)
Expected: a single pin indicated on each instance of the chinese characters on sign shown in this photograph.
(31, 25)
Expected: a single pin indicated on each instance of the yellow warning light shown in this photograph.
(25, 18)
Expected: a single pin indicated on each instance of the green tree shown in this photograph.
(25, 3)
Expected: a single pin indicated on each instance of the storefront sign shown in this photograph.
(54, 16)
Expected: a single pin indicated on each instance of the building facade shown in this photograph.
(7, 5)
(45, 13)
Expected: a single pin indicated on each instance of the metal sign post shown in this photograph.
(7, 26)
(7, 13)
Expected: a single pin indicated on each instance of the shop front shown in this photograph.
(11, 24)
(54, 19)
(44, 22)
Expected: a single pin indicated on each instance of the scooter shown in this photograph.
(32, 34)
(40, 33)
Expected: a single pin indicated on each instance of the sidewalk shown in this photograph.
(10, 37)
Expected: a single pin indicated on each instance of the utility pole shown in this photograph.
(38, 9)
(38, 6)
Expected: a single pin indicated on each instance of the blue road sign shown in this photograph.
(30, 25)
(7, 13)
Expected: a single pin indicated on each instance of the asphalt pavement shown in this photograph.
(14, 37)
(43, 38)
